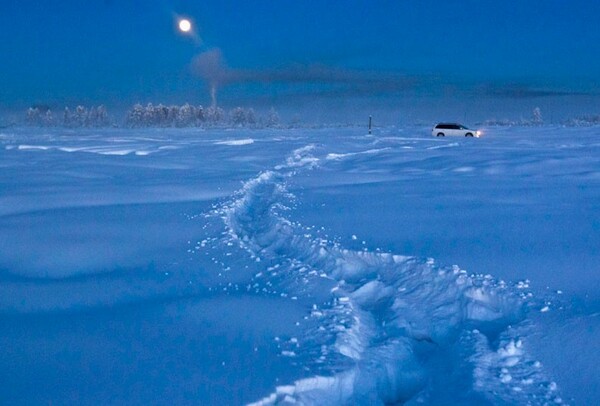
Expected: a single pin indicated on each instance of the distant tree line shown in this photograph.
(583, 121)
(188, 115)
(535, 120)
(77, 118)
(151, 115)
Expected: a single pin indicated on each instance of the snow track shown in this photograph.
(387, 329)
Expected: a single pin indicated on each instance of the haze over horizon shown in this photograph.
(298, 54)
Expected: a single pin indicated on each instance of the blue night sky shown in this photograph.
(128, 51)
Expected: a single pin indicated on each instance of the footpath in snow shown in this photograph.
(393, 329)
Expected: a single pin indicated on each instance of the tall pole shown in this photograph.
(370, 120)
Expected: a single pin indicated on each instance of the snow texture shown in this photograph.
(135, 269)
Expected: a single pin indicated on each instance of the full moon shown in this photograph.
(185, 25)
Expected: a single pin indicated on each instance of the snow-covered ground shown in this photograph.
(324, 266)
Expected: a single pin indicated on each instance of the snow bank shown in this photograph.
(234, 143)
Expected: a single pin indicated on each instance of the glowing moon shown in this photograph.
(185, 25)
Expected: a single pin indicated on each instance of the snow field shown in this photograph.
(139, 254)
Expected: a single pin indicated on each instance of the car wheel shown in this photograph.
(468, 135)
(440, 134)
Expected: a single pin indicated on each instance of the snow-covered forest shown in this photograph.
(151, 115)
(188, 115)
(80, 116)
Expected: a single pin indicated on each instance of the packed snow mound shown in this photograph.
(388, 329)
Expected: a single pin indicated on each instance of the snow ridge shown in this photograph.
(391, 329)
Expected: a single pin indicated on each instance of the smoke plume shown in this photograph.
(211, 67)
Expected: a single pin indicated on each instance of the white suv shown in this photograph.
(443, 129)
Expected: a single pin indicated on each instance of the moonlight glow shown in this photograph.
(185, 25)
